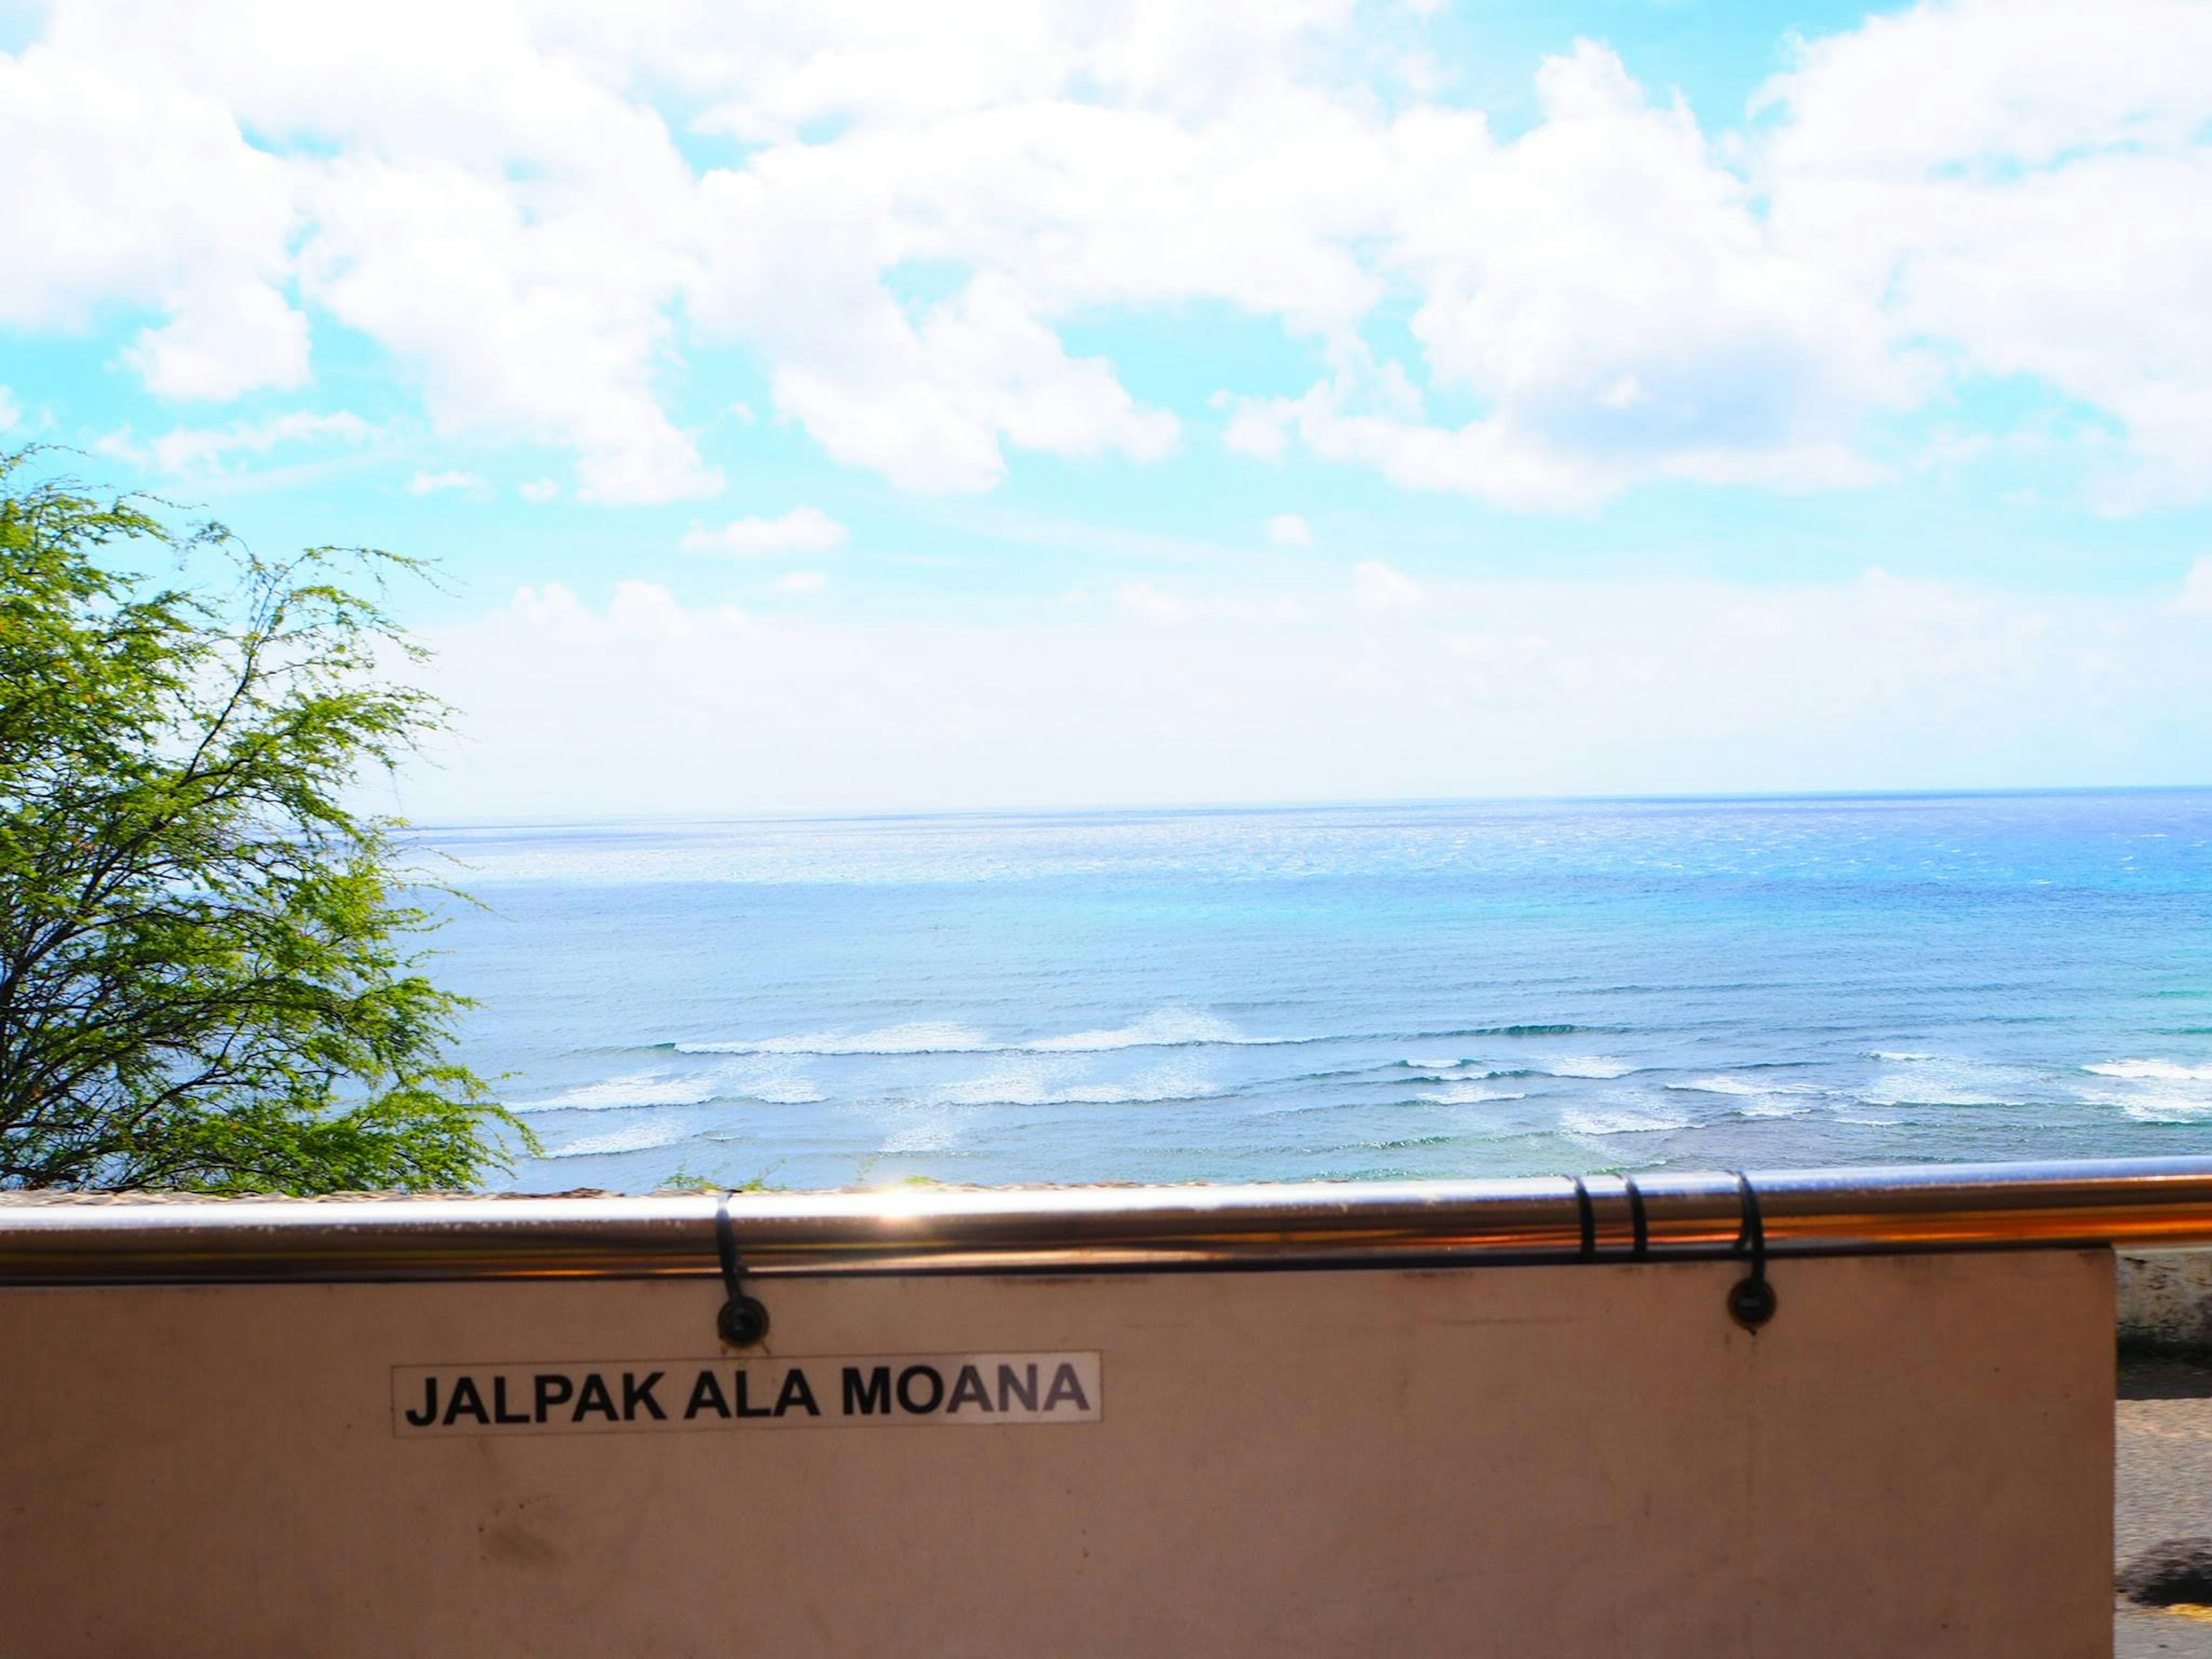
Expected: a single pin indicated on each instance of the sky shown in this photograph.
(866, 407)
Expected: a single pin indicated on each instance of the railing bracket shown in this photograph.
(1751, 1301)
(743, 1321)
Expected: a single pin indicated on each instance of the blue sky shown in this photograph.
(847, 408)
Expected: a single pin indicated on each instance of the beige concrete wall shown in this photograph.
(2166, 1298)
(1914, 1458)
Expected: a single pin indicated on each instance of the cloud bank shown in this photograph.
(1357, 687)
(540, 212)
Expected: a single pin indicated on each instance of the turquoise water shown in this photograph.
(1346, 993)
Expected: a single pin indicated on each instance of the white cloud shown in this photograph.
(11, 413)
(1289, 530)
(141, 189)
(1607, 289)
(540, 489)
(219, 346)
(800, 581)
(123, 446)
(1376, 587)
(196, 449)
(802, 529)
(1618, 293)
(465, 188)
(929, 406)
(642, 615)
(2020, 185)
(1151, 604)
(430, 483)
(1257, 427)
(1490, 688)
(1990, 80)
(532, 315)
(2195, 599)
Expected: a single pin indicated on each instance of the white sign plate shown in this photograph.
(658, 1396)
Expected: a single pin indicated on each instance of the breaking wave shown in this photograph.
(645, 1089)
(1622, 1121)
(631, 1138)
(1742, 1087)
(1589, 1066)
(659, 1088)
(1165, 1028)
(1043, 1086)
(1470, 1094)
(2154, 1091)
(2152, 1070)
(1759, 1099)
(1940, 1080)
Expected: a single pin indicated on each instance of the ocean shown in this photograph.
(1343, 993)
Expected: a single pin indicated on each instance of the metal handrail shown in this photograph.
(2129, 1202)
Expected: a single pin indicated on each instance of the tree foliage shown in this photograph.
(209, 956)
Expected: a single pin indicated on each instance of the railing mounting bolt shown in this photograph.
(1751, 1302)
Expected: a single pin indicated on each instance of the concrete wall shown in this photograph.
(1915, 1457)
(2165, 1300)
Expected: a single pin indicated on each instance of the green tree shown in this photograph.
(209, 954)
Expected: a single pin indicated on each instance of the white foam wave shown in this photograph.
(1760, 1099)
(2152, 1070)
(643, 1089)
(1746, 1087)
(632, 1137)
(1938, 1080)
(2154, 1091)
(1472, 1072)
(1768, 1106)
(796, 1092)
(1470, 1094)
(2168, 1107)
(1620, 1120)
(1170, 1028)
(1044, 1084)
(1717, 1085)
(650, 1089)
(1588, 1066)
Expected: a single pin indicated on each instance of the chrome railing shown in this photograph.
(2130, 1202)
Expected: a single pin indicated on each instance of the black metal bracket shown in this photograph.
(1752, 1301)
(743, 1319)
(1586, 1215)
(1640, 1223)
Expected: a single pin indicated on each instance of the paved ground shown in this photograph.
(2164, 1477)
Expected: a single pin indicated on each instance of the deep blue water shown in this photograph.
(1362, 992)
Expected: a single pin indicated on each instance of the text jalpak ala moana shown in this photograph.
(966, 1390)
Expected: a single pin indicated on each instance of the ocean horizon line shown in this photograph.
(1224, 809)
